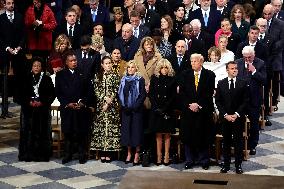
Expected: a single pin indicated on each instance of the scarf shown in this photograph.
(133, 92)
(148, 57)
(219, 33)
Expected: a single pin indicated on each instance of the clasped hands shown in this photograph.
(75, 105)
(108, 101)
(194, 107)
(14, 51)
(231, 118)
(34, 103)
(36, 23)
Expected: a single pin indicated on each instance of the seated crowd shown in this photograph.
(127, 75)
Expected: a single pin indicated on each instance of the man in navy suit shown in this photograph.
(139, 30)
(70, 28)
(253, 71)
(158, 6)
(127, 43)
(12, 43)
(99, 13)
(196, 95)
(209, 18)
(74, 92)
(231, 99)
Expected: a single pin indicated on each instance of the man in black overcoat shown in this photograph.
(73, 90)
(196, 94)
(231, 99)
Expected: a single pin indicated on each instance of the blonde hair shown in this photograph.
(136, 66)
(62, 38)
(199, 56)
(161, 64)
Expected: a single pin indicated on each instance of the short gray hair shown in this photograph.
(248, 50)
(195, 22)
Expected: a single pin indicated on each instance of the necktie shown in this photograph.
(135, 32)
(179, 60)
(10, 17)
(261, 37)
(94, 16)
(205, 19)
(196, 80)
(70, 33)
(231, 84)
(84, 55)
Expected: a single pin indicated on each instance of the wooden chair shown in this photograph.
(57, 136)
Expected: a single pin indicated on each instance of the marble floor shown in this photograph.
(269, 160)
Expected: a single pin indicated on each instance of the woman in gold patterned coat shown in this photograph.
(106, 132)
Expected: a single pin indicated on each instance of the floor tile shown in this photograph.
(267, 138)
(6, 149)
(50, 185)
(274, 160)
(25, 180)
(2, 163)
(108, 186)
(270, 171)
(8, 170)
(94, 167)
(11, 157)
(84, 182)
(6, 186)
(276, 147)
(60, 173)
(279, 133)
(37, 166)
(112, 176)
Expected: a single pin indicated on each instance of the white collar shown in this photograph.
(72, 71)
(203, 11)
(234, 79)
(94, 11)
(68, 25)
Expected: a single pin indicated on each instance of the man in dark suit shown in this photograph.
(210, 19)
(139, 30)
(127, 43)
(179, 59)
(276, 30)
(12, 43)
(253, 71)
(158, 6)
(231, 99)
(224, 7)
(73, 90)
(70, 28)
(149, 18)
(196, 94)
(97, 12)
(193, 45)
(88, 60)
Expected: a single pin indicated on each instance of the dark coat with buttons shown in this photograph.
(162, 93)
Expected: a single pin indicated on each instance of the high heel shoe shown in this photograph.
(159, 160)
(108, 160)
(103, 160)
(136, 159)
(128, 160)
(167, 160)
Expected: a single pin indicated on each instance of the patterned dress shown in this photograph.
(106, 132)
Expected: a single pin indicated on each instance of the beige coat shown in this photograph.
(147, 71)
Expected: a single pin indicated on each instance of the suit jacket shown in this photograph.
(152, 20)
(11, 34)
(214, 20)
(160, 7)
(255, 81)
(89, 66)
(272, 53)
(197, 46)
(143, 32)
(70, 88)
(261, 50)
(280, 15)
(127, 49)
(276, 30)
(242, 30)
(229, 102)
(226, 13)
(77, 33)
(207, 39)
(185, 63)
(195, 126)
(102, 14)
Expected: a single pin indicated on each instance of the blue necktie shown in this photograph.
(179, 60)
(94, 16)
(205, 19)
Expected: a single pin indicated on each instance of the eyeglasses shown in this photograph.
(262, 26)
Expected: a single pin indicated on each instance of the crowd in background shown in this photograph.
(146, 68)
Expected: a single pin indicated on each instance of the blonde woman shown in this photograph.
(226, 55)
(61, 46)
(131, 96)
(162, 93)
(147, 58)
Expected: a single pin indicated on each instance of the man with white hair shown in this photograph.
(277, 4)
(127, 43)
(210, 19)
(202, 35)
(253, 71)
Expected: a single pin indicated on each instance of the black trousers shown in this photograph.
(234, 129)
(71, 140)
